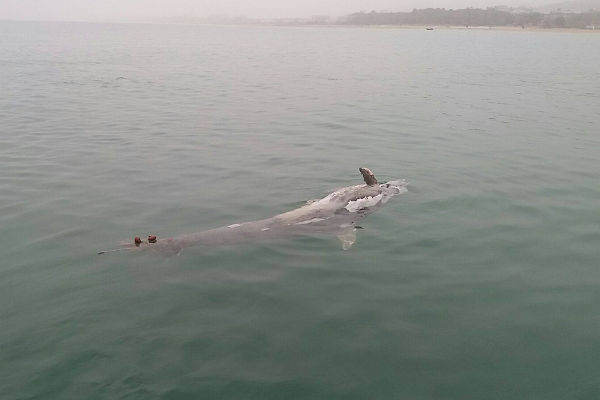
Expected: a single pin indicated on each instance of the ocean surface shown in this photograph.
(481, 282)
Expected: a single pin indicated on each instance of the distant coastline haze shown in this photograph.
(152, 11)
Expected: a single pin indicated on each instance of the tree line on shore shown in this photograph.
(476, 17)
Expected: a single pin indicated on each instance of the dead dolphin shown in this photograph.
(336, 213)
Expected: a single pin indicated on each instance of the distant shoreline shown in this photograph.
(477, 28)
(415, 27)
(353, 26)
(406, 27)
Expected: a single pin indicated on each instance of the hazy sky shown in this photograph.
(140, 10)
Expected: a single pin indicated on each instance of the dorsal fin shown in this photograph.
(368, 176)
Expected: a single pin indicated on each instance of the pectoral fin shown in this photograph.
(347, 237)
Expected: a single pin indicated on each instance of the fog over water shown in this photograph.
(136, 10)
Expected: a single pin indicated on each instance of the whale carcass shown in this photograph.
(336, 213)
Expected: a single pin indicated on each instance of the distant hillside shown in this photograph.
(477, 17)
(571, 6)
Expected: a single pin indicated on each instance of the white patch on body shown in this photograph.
(265, 229)
(234, 225)
(309, 221)
(365, 202)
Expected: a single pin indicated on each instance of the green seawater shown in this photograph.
(481, 282)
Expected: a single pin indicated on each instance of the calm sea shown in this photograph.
(481, 282)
